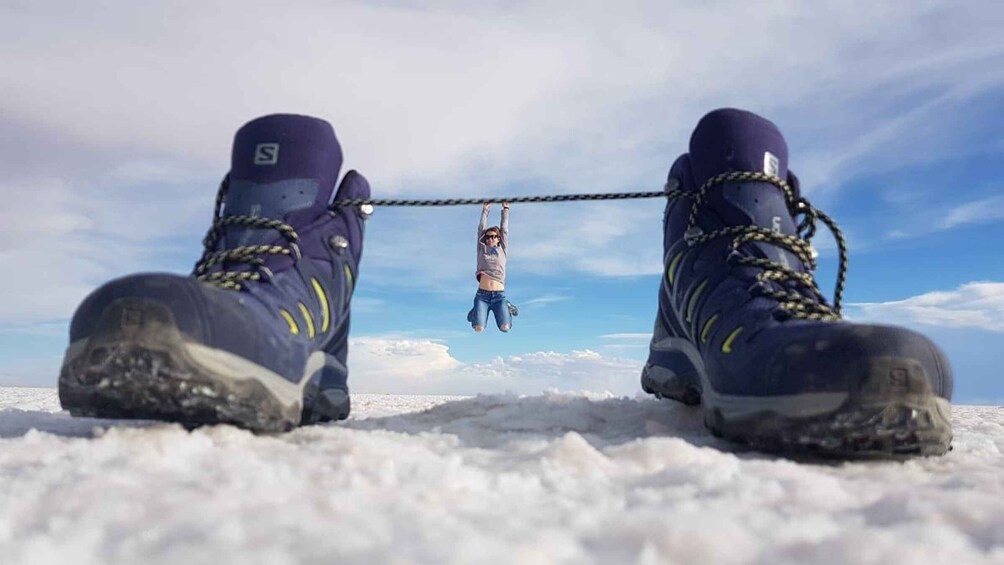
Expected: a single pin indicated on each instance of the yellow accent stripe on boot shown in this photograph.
(707, 328)
(293, 328)
(727, 345)
(673, 264)
(348, 275)
(325, 307)
(308, 318)
(693, 299)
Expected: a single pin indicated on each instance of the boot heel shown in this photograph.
(674, 371)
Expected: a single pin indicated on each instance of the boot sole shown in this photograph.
(892, 412)
(138, 365)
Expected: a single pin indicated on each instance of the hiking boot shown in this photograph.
(257, 335)
(744, 330)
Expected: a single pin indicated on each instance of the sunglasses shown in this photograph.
(491, 236)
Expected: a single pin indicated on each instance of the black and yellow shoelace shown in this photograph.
(794, 304)
(243, 254)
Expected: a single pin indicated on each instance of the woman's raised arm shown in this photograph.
(504, 226)
(484, 219)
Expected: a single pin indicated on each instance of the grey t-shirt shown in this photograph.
(491, 260)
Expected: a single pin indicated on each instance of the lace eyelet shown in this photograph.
(758, 288)
(692, 234)
(338, 243)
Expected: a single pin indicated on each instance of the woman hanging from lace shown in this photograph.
(493, 243)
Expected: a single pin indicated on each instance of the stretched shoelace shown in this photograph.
(243, 254)
(795, 304)
(252, 254)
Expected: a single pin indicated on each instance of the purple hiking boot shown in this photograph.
(744, 330)
(257, 336)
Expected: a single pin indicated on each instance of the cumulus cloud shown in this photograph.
(423, 366)
(973, 305)
(402, 358)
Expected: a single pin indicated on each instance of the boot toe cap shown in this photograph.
(858, 358)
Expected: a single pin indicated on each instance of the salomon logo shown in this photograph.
(899, 379)
(771, 165)
(266, 154)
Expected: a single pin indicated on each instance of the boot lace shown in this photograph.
(810, 305)
(252, 255)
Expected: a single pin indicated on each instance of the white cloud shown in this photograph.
(546, 299)
(978, 212)
(423, 366)
(366, 304)
(973, 305)
(628, 336)
(922, 212)
(451, 98)
(398, 359)
(589, 238)
(61, 239)
(579, 96)
(626, 341)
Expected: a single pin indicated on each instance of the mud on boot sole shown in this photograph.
(138, 365)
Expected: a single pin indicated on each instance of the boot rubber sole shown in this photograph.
(891, 413)
(138, 365)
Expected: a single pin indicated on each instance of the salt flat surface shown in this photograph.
(559, 478)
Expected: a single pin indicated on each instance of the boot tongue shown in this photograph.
(736, 140)
(280, 164)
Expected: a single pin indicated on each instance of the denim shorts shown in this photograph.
(494, 300)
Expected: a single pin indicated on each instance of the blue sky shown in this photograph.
(117, 118)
